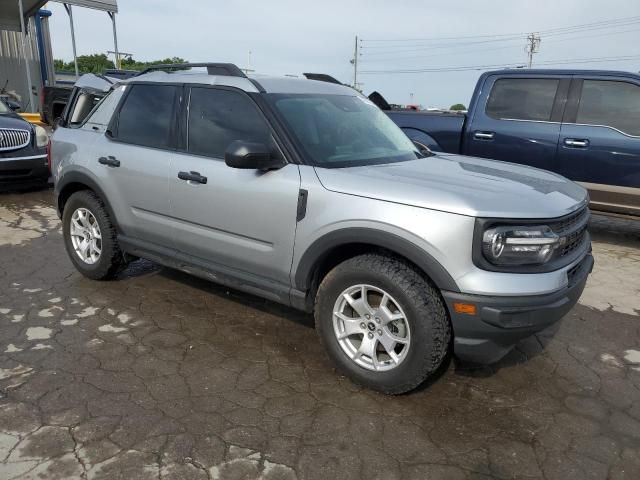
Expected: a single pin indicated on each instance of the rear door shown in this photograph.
(517, 119)
(600, 141)
(240, 222)
(132, 161)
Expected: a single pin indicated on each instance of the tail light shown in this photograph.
(49, 156)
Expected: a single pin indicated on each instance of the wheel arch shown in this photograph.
(335, 247)
(73, 182)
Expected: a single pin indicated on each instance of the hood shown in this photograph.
(464, 185)
(13, 120)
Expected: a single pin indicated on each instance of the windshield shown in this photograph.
(3, 107)
(343, 130)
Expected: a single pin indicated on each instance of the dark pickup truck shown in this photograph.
(584, 125)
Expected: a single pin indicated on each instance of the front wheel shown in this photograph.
(383, 324)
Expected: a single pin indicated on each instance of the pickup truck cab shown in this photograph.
(305, 193)
(584, 125)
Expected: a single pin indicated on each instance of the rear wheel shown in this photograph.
(90, 237)
(384, 325)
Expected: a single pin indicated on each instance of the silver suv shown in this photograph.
(305, 193)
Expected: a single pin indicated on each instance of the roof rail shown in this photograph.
(224, 69)
(322, 77)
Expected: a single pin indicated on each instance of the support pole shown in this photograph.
(73, 38)
(115, 40)
(355, 65)
(23, 31)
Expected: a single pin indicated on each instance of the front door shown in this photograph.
(517, 119)
(600, 143)
(242, 221)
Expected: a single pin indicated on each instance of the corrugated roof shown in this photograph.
(10, 12)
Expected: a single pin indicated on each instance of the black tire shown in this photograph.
(419, 299)
(111, 260)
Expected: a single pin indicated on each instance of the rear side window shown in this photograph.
(612, 104)
(219, 117)
(522, 99)
(146, 115)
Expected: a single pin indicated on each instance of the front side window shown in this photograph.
(219, 117)
(612, 104)
(343, 130)
(522, 99)
(146, 115)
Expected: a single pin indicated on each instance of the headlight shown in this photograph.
(514, 245)
(41, 136)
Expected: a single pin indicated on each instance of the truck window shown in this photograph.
(146, 115)
(219, 117)
(522, 99)
(612, 104)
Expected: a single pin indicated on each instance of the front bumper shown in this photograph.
(22, 169)
(501, 322)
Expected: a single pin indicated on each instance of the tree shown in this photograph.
(458, 107)
(99, 62)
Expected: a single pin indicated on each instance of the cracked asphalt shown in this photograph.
(161, 375)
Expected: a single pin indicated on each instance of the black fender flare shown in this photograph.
(83, 179)
(320, 248)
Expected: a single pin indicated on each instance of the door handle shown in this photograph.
(192, 177)
(575, 143)
(483, 135)
(109, 161)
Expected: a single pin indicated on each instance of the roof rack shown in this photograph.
(224, 69)
(322, 77)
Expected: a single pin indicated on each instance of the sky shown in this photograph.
(296, 36)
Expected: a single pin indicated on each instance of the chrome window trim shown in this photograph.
(573, 123)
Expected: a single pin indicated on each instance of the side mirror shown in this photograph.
(426, 151)
(250, 155)
(15, 106)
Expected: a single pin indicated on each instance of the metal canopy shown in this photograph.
(10, 12)
(104, 5)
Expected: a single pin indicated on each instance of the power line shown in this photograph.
(367, 59)
(462, 68)
(554, 31)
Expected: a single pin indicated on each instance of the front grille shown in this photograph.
(572, 229)
(13, 138)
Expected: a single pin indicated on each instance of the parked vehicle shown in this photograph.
(584, 125)
(55, 98)
(305, 193)
(23, 154)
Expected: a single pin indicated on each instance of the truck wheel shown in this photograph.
(90, 237)
(384, 325)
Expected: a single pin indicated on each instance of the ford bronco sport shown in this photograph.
(305, 193)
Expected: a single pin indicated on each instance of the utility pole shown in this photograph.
(354, 62)
(533, 45)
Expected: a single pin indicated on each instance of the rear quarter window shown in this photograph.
(103, 112)
(522, 99)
